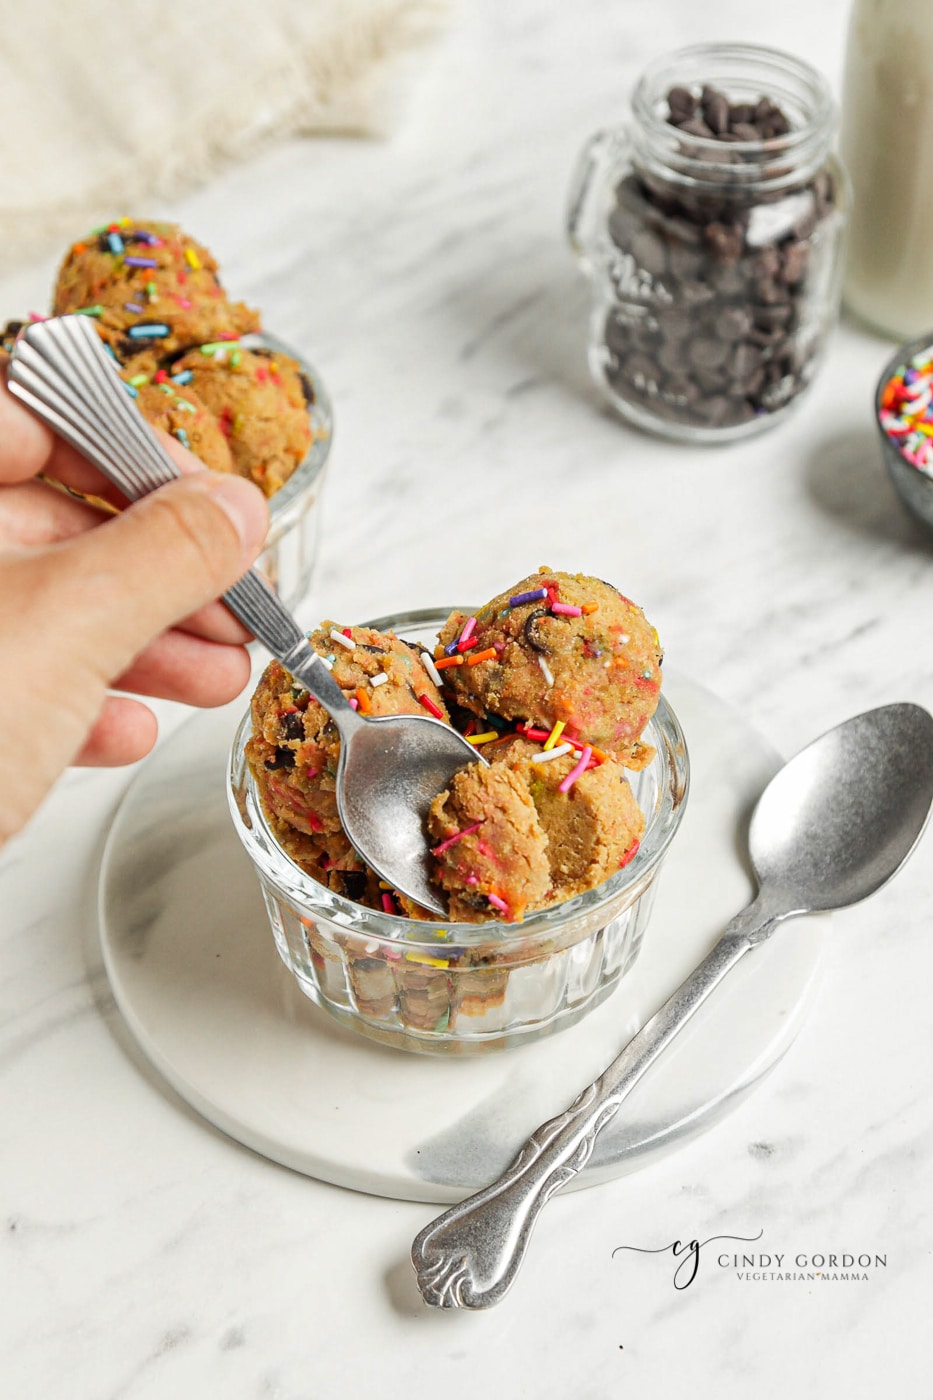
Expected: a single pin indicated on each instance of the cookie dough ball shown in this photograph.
(151, 287)
(575, 650)
(593, 829)
(509, 831)
(489, 846)
(181, 413)
(294, 747)
(261, 399)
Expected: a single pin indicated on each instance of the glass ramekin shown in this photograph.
(291, 550)
(453, 988)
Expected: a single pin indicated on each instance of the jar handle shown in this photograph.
(600, 156)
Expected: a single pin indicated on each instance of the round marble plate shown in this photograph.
(195, 973)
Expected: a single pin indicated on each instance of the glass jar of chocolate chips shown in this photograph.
(712, 229)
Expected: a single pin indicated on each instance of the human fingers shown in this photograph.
(76, 615)
(124, 731)
(156, 563)
(178, 666)
(28, 447)
(33, 514)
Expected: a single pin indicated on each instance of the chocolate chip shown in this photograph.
(307, 388)
(710, 381)
(728, 279)
(796, 257)
(681, 105)
(715, 110)
(732, 323)
(745, 362)
(767, 263)
(745, 131)
(679, 390)
(706, 353)
(724, 242)
(354, 884)
(696, 126)
(769, 318)
(291, 726)
(649, 252)
(284, 758)
(530, 629)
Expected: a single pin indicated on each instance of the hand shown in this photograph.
(91, 601)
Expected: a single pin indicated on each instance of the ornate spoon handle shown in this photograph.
(469, 1256)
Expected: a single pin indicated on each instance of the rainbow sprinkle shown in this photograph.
(153, 330)
(457, 836)
(558, 752)
(498, 903)
(559, 726)
(427, 661)
(489, 654)
(906, 410)
(430, 706)
(532, 597)
(577, 771)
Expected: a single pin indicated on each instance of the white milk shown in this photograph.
(887, 145)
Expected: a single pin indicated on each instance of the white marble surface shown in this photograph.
(145, 1255)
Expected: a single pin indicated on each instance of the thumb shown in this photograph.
(118, 586)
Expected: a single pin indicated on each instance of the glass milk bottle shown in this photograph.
(887, 146)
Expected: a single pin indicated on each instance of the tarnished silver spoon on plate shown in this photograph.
(834, 825)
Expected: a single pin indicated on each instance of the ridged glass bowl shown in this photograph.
(454, 988)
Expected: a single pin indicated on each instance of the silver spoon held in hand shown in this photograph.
(834, 825)
(391, 767)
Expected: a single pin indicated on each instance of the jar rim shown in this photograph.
(297, 887)
(770, 162)
(288, 503)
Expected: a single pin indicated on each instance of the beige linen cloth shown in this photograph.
(112, 105)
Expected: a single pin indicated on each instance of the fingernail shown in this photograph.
(244, 504)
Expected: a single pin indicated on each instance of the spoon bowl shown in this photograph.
(838, 821)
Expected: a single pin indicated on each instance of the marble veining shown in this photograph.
(143, 1254)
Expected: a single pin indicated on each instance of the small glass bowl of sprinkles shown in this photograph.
(904, 414)
(448, 988)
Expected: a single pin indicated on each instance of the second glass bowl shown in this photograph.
(290, 552)
(449, 988)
